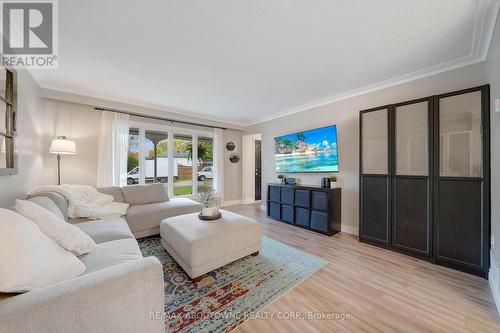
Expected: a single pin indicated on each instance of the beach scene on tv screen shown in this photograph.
(309, 151)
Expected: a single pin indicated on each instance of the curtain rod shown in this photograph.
(157, 118)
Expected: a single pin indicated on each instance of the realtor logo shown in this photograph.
(29, 31)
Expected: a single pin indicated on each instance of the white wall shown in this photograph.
(28, 144)
(232, 171)
(493, 76)
(81, 124)
(345, 114)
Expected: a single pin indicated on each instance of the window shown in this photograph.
(133, 157)
(205, 160)
(183, 164)
(8, 165)
(181, 159)
(156, 157)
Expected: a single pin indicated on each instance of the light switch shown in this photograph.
(497, 105)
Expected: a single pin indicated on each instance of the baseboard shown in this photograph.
(249, 201)
(349, 229)
(493, 278)
(230, 203)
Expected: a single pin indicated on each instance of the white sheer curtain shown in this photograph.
(112, 149)
(219, 162)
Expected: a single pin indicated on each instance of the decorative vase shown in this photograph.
(210, 211)
(333, 185)
(325, 182)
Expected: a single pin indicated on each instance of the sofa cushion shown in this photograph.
(65, 234)
(115, 192)
(109, 254)
(48, 204)
(106, 230)
(60, 201)
(29, 259)
(145, 194)
(143, 217)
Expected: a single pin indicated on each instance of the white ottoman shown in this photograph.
(202, 246)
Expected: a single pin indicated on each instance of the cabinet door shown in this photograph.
(274, 193)
(302, 217)
(287, 195)
(461, 220)
(287, 213)
(319, 200)
(411, 219)
(411, 223)
(302, 198)
(274, 210)
(374, 211)
(374, 176)
(319, 221)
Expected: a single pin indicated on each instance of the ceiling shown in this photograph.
(248, 61)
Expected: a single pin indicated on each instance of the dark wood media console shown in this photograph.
(310, 207)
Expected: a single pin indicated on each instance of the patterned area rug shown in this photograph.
(227, 296)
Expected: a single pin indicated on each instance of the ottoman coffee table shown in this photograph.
(202, 246)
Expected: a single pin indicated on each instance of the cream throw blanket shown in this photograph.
(86, 201)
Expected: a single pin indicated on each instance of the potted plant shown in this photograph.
(282, 178)
(234, 157)
(230, 146)
(210, 201)
(333, 181)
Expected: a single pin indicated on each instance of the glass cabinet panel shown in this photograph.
(412, 137)
(375, 142)
(460, 135)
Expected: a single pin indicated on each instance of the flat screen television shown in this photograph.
(308, 151)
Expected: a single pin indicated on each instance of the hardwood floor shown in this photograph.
(379, 290)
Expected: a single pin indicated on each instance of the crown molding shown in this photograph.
(484, 25)
(486, 16)
(429, 71)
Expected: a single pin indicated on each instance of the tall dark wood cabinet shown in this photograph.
(425, 178)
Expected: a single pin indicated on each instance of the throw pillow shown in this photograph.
(29, 259)
(145, 194)
(68, 236)
(48, 204)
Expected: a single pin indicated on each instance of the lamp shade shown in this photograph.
(63, 146)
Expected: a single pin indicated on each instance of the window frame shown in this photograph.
(170, 131)
(8, 135)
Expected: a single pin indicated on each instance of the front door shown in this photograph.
(258, 170)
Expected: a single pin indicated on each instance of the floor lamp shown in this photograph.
(62, 146)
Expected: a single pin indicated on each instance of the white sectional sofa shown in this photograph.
(120, 291)
(149, 205)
